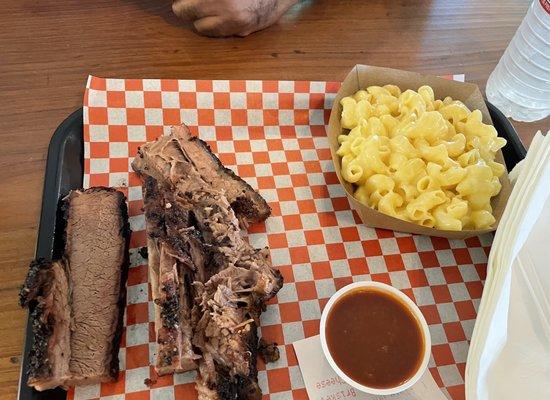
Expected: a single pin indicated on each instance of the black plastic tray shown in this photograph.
(64, 171)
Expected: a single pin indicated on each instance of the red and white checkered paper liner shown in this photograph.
(273, 134)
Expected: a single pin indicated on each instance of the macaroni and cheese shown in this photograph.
(427, 161)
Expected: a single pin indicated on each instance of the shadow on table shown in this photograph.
(162, 9)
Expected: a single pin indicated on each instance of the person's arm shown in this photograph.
(230, 17)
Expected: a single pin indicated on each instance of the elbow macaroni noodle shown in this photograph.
(426, 161)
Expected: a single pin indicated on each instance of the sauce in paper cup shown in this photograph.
(375, 338)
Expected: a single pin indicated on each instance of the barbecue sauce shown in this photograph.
(374, 338)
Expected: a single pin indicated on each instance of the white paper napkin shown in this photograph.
(509, 356)
(322, 383)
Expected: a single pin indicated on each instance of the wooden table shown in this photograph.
(48, 48)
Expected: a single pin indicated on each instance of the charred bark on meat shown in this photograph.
(268, 351)
(77, 321)
(198, 206)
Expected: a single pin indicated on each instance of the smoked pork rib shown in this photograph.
(231, 283)
(182, 160)
(230, 303)
(77, 303)
(171, 296)
(194, 206)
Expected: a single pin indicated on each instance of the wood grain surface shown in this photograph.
(48, 48)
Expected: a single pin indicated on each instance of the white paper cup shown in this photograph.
(411, 306)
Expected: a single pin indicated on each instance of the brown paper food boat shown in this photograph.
(362, 76)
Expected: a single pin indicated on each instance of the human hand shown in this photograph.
(230, 17)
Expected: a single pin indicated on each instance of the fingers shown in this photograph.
(212, 26)
(203, 16)
(191, 10)
(230, 17)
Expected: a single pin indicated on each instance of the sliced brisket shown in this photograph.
(96, 248)
(46, 292)
(77, 304)
(184, 161)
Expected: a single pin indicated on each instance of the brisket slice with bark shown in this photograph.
(96, 248)
(45, 292)
(77, 304)
(185, 161)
